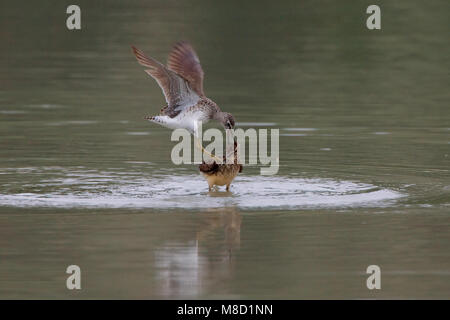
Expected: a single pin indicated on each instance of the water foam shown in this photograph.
(79, 187)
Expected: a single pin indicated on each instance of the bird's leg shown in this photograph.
(228, 187)
(212, 156)
(199, 145)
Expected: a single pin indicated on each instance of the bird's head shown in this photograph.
(227, 120)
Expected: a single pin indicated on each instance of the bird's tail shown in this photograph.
(163, 121)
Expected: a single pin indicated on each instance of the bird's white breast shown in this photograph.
(189, 119)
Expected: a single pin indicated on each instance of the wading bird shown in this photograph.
(182, 84)
(221, 174)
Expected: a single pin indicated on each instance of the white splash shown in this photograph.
(80, 187)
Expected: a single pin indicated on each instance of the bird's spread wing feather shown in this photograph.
(177, 91)
(184, 61)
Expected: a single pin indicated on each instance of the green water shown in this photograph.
(364, 179)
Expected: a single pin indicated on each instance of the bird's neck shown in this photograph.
(219, 116)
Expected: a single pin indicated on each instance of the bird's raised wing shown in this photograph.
(184, 61)
(176, 90)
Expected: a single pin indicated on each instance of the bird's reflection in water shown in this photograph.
(205, 261)
(226, 220)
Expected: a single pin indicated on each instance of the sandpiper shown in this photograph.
(182, 84)
(221, 174)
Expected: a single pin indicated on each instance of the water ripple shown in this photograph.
(79, 187)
